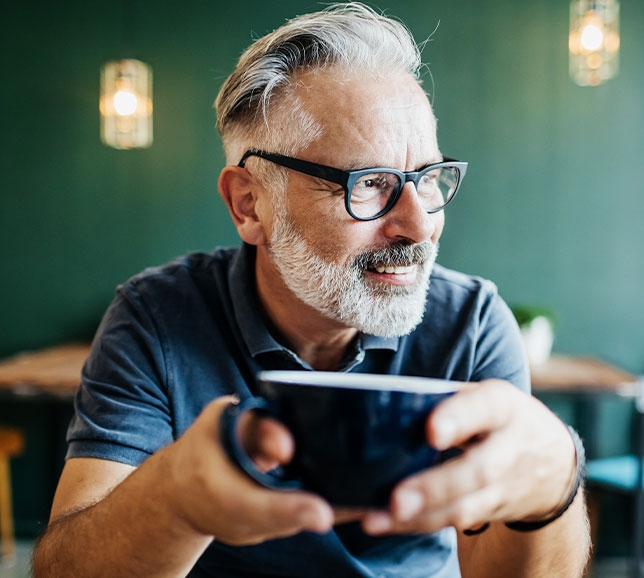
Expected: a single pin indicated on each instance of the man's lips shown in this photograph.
(394, 274)
(393, 269)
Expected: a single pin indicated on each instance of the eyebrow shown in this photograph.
(363, 166)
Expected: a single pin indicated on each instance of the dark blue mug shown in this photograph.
(356, 435)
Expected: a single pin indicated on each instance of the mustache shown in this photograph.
(397, 254)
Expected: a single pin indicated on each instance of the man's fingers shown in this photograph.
(266, 440)
(474, 410)
(260, 513)
(516, 464)
(469, 511)
(299, 511)
(481, 466)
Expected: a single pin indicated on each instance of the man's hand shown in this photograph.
(518, 463)
(120, 517)
(216, 498)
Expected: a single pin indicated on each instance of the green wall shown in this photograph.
(551, 208)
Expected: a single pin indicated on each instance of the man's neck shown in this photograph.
(319, 341)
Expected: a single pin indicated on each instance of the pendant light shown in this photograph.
(593, 41)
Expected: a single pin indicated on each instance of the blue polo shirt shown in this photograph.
(178, 336)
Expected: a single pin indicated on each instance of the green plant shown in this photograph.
(525, 314)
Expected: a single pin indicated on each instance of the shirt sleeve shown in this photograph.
(500, 352)
(122, 411)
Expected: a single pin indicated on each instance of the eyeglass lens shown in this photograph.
(372, 192)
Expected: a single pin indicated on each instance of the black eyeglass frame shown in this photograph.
(347, 179)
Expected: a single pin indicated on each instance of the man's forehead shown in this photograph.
(368, 120)
(333, 86)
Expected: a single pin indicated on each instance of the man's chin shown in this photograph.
(387, 330)
(393, 333)
(387, 320)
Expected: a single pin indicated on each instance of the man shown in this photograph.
(333, 274)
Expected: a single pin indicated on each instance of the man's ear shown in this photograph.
(239, 191)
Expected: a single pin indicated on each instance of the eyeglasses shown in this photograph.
(370, 193)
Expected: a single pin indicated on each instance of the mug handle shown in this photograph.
(237, 454)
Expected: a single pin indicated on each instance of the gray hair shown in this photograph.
(350, 36)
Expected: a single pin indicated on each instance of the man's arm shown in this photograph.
(155, 521)
(518, 464)
(559, 550)
(97, 530)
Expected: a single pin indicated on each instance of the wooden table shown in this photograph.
(52, 373)
(585, 380)
(589, 379)
(583, 375)
(36, 393)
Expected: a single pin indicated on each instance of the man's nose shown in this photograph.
(408, 219)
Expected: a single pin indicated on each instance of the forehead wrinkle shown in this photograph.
(392, 150)
(381, 125)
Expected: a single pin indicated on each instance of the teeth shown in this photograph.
(398, 270)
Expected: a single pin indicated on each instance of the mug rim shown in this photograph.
(361, 381)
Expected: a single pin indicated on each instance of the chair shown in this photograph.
(11, 444)
(626, 474)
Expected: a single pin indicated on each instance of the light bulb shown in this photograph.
(592, 38)
(125, 103)
(593, 41)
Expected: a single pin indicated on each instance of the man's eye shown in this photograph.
(373, 183)
(378, 182)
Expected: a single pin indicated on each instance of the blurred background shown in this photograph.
(551, 209)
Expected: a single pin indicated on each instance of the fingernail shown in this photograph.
(444, 432)
(312, 520)
(377, 523)
(408, 503)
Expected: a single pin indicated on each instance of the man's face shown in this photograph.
(371, 275)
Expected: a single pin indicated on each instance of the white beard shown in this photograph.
(343, 292)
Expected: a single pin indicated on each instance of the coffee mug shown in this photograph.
(356, 435)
